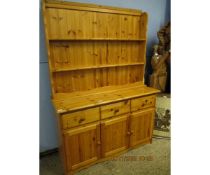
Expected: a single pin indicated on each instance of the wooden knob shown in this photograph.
(126, 101)
(98, 142)
(116, 110)
(81, 120)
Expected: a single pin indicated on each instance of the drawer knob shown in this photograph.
(116, 111)
(98, 142)
(81, 120)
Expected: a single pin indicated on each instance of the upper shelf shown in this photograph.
(95, 39)
(96, 67)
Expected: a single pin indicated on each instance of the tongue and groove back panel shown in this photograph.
(92, 46)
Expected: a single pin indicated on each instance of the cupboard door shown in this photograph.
(141, 126)
(82, 145)
(114, 137)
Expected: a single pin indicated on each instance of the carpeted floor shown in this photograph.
(150, 159)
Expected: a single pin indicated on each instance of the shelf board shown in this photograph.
(96, 67)
(95, 39)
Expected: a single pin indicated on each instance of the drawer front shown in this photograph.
(115, 109)
(80, 117)
(142, 102)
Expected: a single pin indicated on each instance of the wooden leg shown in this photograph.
(151, 141)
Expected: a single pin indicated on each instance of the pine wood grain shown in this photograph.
(65, 102)
(97, 57)
(114, 135)
(81, 146)
(91, 7)
(141, 124)
(115, 109)
(143, 102)
(80, 118)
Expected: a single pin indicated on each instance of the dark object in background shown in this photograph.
(163, 122)
(159, 75)
(164, 36)
(160, 61)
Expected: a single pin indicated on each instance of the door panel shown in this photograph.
(141, 126)
(114, 136)
(82, 145)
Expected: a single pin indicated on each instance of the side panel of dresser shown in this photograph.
(62, 151)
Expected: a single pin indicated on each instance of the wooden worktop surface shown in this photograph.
(67, 102)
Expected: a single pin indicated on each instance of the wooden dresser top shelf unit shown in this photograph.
(68, 102)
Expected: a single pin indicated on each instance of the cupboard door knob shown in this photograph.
(98, 142)
(132, 132)
(128, 133)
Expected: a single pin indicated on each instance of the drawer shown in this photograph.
(80, 117)
(142, 102)
(115, 109)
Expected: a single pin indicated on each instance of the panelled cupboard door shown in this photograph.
(141, 126)
(82, 145)
(114, 136)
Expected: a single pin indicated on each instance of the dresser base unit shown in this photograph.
(96, 57)
(97, 125)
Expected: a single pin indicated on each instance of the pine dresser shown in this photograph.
(97, 57)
